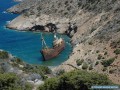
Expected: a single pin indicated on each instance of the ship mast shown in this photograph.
(43, 42)
(55, 36)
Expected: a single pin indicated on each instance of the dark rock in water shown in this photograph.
(38, 28)
(52, 27)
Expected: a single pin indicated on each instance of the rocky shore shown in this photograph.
(97, 40)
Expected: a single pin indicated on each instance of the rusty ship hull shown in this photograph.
(50, 53)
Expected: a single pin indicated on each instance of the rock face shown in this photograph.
(98, 35)
(22, 6)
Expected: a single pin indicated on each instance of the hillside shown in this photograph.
(97, 40)
(18, 75)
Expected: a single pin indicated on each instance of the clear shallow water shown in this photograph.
(27, 45)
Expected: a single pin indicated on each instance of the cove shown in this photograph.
(27, 45)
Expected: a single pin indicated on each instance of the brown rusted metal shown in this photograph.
(49, 53)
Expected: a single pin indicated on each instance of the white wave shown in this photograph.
(68, 43)
(8, 22)
(4, 12)
(21, 31)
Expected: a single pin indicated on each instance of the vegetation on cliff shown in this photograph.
(42, 70)
(97, 40)
(75, 80)
(108, 62)
(3, 55)
(17, 75)
(10, 81)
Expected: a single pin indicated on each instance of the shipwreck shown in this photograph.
(58, 47)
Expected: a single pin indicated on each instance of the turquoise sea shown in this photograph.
(27, 45)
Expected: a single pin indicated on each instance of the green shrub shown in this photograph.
(75, 80)
(37, 69)
(100, 57)
(42, 70)
(105, 53)
(79, 62)
(92, 30)
(84, 66)
(97, 51)
(60, 72)
(97, 63)
(39, 8)
(7, 81)
(117, 51)
(90, 67)
(18, 61)
(115, 44)
(66, 2)
(26, 14)
(85, 54)
(90, 43)
(111, 71)
(50, 84)
(28, 86)
(1, 70)
(104, 69)
(118, 30)
(10, 81)
(31, 12)
(65, 13)
(108, 62)
(4, 55)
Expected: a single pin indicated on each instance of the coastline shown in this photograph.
(98, 33)
(63, 65)
(17, 25)
(44, 32)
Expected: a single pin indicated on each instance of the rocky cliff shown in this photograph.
(97, 40)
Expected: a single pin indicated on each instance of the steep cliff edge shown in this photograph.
(97, 40)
